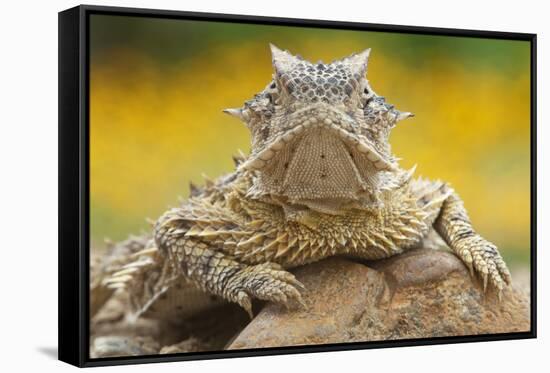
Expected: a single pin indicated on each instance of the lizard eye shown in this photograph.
(272, 93)
(366, 97)
(272, 97)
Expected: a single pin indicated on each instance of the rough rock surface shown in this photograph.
(114, 334)
(422, 293)
(191, 344)
(113, 346)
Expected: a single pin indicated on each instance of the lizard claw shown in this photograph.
(485, 278)
(467, 259)
(483, 258)
(244, 301)
(266, 282)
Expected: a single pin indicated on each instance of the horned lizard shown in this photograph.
(320, 181)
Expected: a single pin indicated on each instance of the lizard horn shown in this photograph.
(358, 62)
(403, 115)
(237, 112)
(282, 60)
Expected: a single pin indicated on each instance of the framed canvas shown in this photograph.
(233, 186)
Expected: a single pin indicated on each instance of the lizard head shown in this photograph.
(320, 134)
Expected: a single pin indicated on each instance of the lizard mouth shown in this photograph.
(314, 120)
(320, 162)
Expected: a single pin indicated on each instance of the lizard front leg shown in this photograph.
(221, 274)
(477, 253)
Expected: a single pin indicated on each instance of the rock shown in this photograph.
(420, 294)
(210, 330)
(191, 344)
(112, 346)
(112, 321)
(114, 333)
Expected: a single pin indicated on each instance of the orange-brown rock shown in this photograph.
(420, 294)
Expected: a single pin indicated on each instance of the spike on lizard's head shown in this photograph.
(320, 134)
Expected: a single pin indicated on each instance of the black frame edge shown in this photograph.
(301, 22)
(533, 262)
(70, 251)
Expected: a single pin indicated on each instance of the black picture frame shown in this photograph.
(74, 183)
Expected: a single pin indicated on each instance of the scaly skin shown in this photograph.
(320, 181)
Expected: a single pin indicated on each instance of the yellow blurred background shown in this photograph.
(158, 87)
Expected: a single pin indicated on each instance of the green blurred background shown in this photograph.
(158, 87)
